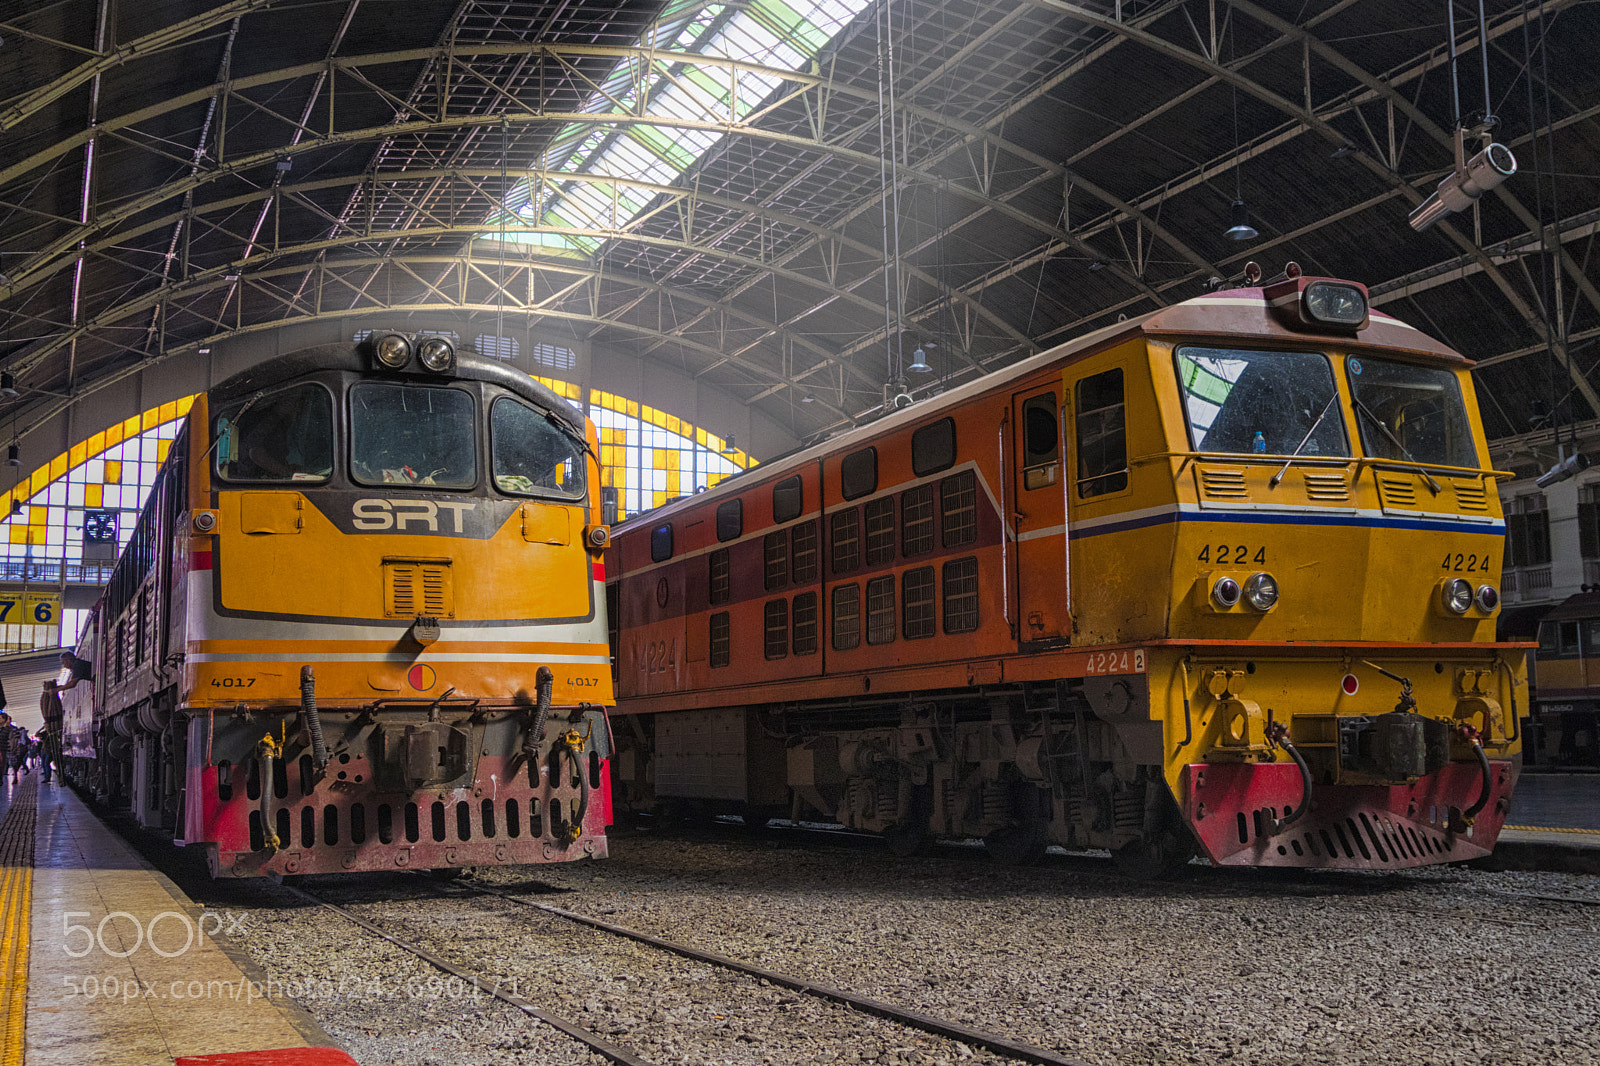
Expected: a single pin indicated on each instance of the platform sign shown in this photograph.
(30, 608)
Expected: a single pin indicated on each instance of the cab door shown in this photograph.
(1039, 515)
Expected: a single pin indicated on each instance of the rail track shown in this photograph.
(916, 1020)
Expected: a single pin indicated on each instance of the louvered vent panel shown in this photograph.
(433, 590)
(1326, 487)
(413, 588)
(1470, 496)
(1222, 484)
(1397, 491)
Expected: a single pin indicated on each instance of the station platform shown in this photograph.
(104, 959)
(1554, 825)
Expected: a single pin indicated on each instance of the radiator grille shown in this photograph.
(413, 587)
(1222, 484)
(1470, 496)
(1397, 491)
(1326, 487)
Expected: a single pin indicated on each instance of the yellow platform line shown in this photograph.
(16, 913)
(1549, 829)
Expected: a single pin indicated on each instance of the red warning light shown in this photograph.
(1351, 684)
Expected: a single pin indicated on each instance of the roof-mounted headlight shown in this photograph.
(1318, 305)
(1335, 304)
(1455, 595)
(1261, 591)
(437, 354)
(393, 350)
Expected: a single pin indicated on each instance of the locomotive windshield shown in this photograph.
(1410, 412)
(283, 436)
(1273, 403)
(532, 456)
(412, 435)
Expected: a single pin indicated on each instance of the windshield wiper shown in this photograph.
(1432, 484)
(1279, 475)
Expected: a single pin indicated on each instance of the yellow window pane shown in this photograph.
(37, 514)
(38, 481)
(19, 534)
(58, 466)
(92, 495)
(162, 448)
(184, 405)
(113, 471)
(97, 444)
(79, 453)
(132, 426)
(114, 436)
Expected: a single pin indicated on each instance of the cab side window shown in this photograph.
(1102, 440)
(1041, 447)
(285, 436)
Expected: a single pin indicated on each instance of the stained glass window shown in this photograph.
(647, 456)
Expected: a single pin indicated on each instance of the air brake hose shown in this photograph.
(1278, 733)
(308, 707)
(572, 744)
(543, 683)
(268, 751)
(1471, 735)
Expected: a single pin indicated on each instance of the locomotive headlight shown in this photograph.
(1456, 595)
(1488, 598)
(1335, 304)
(1225, 592)
(1261, 590)
(393, 350)
(437, 354)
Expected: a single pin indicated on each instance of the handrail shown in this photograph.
(1358, 461)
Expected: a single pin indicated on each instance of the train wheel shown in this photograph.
(905, 839)
(1159, 857)
(1016, 845)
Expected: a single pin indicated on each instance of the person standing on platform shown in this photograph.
(74, 670)
(49, 734)
(13, 745)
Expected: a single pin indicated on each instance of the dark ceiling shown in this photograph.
(169, 178)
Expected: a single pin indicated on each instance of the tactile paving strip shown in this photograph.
(16, 912)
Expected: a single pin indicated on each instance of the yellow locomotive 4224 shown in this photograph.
(360, 623)
(1224, 576)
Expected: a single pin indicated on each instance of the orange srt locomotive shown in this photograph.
(360, 623)
(1222, 577)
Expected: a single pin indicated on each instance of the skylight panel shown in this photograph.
(771, 33)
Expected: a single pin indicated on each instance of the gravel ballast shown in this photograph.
(1439, 965)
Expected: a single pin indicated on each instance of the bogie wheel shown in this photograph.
(1016, 845)
(1159, 857)
(905, 839)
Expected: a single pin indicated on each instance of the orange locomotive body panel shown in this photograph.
(1103, 598)
(360, 624)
